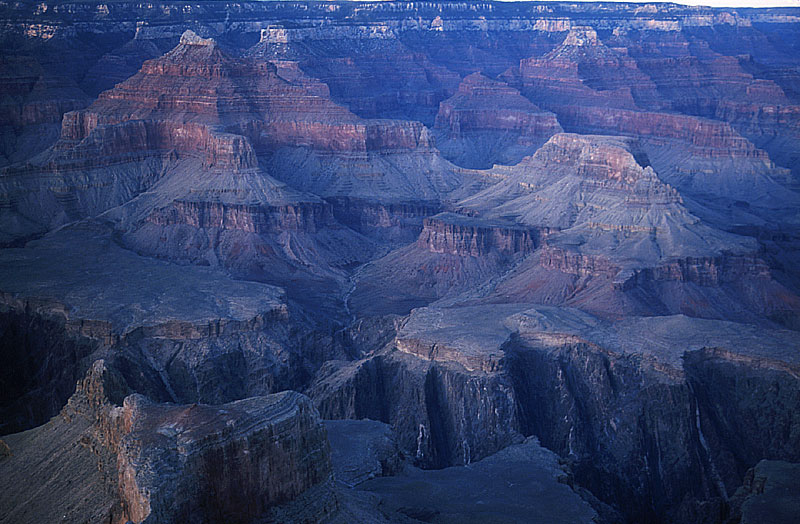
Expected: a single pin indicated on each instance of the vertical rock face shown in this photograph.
(584, 70)
(636, 416)
(399, 222)
(467, 111)
(769, 493)
(33, 103)
(43, 361)
(645, 445)
(150, 462)
(459, 235)
(229, 462)
(757, 387)
(443, 414)
(211, 339)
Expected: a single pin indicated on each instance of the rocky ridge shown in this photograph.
(123, 449)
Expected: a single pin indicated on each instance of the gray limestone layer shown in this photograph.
(479, 332)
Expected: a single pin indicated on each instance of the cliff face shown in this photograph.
(171, 349)
(358, 63)
(467, 110)
(768, 493)
(460, 416)
(245, 95)
(396, 222)
(641, 426)
(259, 219)
(166, 462)
(211, 462)
(34, 100)
(457, 235)
(716, 373)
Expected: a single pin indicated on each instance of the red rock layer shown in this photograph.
(457, 235)
(705, 271)
(196, 98)
(707, 138)
(594, 88)
(85, 143)
(584, 70)
(302, 216)
(482, 104)
(371, 72)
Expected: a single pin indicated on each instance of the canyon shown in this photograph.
(359, 262)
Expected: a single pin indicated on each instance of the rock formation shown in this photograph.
(361, 66)
(549, 251)
(487, 122)
(134, 460)
(581, 222)
(769, 493)
(183, 345)
(595, 88)
(34, 101)
(600, 394)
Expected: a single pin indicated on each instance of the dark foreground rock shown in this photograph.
(770, 494)
(522, 483)
(176, 333)
(645, 410)
(362, 450)
(99, 461)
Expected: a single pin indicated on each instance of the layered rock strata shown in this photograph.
(33, 104)
(184, 346)
(606, 215)
(630, 404)
(219, 109)
(452, 253)
(360, 64)
(567, 81)
(487, 122)
(144, 461)
(229, 462)
(587, 222)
